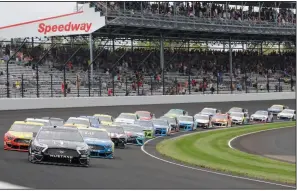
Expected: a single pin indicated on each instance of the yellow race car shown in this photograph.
(100, 143)
(19, 135)
(105, 119)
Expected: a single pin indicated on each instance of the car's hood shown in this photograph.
(145, 118)
(131, 133)
(206, 113)
(106, 122)
(273, 109)
(93, 141)
(21, 135)
(219, 120)
(186, 122)
(201, 121)
(117, 135)
(258, 116)
(75, 125)
(129, 121)
(62, 144)
(237, 118)
(160, 126)
(286, 114)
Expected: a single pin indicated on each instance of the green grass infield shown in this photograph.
(209, 149)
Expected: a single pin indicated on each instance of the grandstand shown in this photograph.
(160, 48)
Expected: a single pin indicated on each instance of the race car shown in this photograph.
(276, 109)
(99, 142)
(18, 137)
(176, 113)
(59, 146)
(186, 123)
(93, 120)
(287, 114)
(55, 121)
(209, 111)
(45, 122)
(145, 115)
(105, 119)
(262, 116)
(239, 118)
(202, 120)
(173, 122)
(117, 135)
(161, 127)
(135, 134)
(221, 120)
(78, 121)
(239, 110)
(147, 126)
(128, 118)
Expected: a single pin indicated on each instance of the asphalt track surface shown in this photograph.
(278, 144)
(131, 168)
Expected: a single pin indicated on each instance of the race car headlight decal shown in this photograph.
(108, 146)
(9, 137)
(37, 148)
(83, 152)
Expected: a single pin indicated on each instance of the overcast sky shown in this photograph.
(15, 12)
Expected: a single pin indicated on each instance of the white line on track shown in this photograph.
(208, 171)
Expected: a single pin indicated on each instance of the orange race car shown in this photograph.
(221, 120)
(20, 134)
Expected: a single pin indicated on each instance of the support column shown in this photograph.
(261, 48)
(91, 56)
(230, 57)
(113, 47)
(162, 60)
(279, 49)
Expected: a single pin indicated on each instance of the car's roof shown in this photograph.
(168, 116)
(176, 110)
(79, 118)
(277, 105)
(37, 119)
(209, 108)
(236, 108)
(53, 118)
(128, 113)
(27, 123)
(87, 116)
(142, 112)
(92, 129)
(222, 114)
(103, 115)
(53, 128)
(236, 113)
(74, 125)
(289, 109)
(198, 114)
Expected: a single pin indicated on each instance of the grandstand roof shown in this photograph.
(280, 4)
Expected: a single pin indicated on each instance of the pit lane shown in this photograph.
(131, 168)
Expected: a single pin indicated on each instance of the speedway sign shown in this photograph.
(77, 23)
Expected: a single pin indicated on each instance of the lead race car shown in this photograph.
(276, 109)
(287, 114)
(59, 146)
(128, 118)
(19, 135)
(262, 116)
(99, 142)
(135, 134)
(145, 115)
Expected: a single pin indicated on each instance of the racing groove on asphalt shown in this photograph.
(131, 168)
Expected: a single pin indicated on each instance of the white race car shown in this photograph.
(239, 118)
(287, 114)
(262, 116)
(127, 118)
(210, 111)
(202, 120)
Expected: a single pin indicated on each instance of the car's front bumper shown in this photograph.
(219, 124)
(136, 140)
(15, 146)
(161, 132)
(186, 127)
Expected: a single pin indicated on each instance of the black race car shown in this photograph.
(59, 146)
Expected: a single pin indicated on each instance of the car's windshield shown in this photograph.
(44, 122)
(144, 123)
(132, 128)
(220, 117)
(208, 110)
(289, 111)
(235, 109)
(88, 133)
(169, 119)
(176, 111)
(160, 122)
(114, 129)
(56, 122)
(78, 121)
(127, 116)
(185, 118)
(261, 113)
(25, 128)
(203, 117)
(104, 118)
(143, 114)
(94, 121)
(235, 114)
(60, 134)
(276, 107)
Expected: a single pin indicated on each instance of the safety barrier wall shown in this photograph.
(40, 103)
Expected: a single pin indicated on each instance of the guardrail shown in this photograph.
(43, 103)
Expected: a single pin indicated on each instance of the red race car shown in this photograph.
(145, 115)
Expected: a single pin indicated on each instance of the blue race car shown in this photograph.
(187, 123)
(93, 120)
(276, 109)
(161, 127)
(99, 142)
(135, 134)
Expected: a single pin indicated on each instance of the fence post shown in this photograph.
(37, 81)
(112, 85)
(217, 82)
(151, 85)
(203, 81)
(245, 79)
(138, 86)
(51, 85)
(231, 85)
(77, 85)
(89, 81)
(64, 80)
(257, 84)
(279, 87)
(100, 86)
(176, 86)
(189, 83)
(267, 85)
(22, 84)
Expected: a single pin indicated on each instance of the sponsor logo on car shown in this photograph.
(61, 156)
